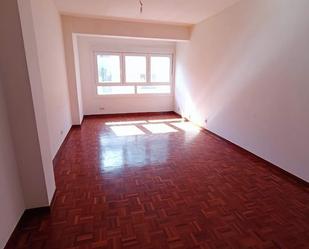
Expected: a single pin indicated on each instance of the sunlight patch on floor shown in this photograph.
(126, 122)
(187, 126)
(159, 128)
(166, 120)
(126, 130)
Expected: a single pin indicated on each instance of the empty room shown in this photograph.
(147, 124)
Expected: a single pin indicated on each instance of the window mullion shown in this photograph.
(149, 87)
(122, 69)
(148, 73)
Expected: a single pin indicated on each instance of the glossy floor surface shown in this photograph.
(151, 183)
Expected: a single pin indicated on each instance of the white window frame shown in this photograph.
(124, 68)
(135, 84)
(170, 72)
(97, 72)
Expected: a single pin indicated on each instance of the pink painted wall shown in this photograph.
(246, 71)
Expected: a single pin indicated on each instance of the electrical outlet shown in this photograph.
(206, 120)
(101, 108)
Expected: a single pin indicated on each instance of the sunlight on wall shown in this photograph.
(186, 105)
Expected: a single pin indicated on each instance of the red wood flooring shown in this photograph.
(179, 189)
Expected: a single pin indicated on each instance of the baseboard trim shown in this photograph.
(53, 200)
(289, 176)
(78, 126)
(272, 166)
(65, 140)
(30, 213)
(116, 115)
(27, 214)
(34, 212)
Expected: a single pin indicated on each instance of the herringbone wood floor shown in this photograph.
(184, 189)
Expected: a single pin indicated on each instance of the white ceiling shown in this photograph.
(170, 11)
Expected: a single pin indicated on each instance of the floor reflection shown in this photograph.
(173, 190)
(132, 151)
(158, 150)
(122, 146)
(112, 158)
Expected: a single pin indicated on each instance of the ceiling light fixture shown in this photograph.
(141, 6)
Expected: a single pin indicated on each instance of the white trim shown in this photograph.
(170, 56)
(96, 67)
(124, 55)
(135, 84)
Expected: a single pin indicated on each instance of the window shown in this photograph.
(135, 69)
(160, 69)
(153, 89)
(108, 68)
(109, 90)
(140, 74)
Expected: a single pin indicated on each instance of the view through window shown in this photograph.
(122, 73)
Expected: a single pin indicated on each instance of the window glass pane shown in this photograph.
(110, 90)
(135, 68)
(160, 69)
(153, 89)
(108, 68)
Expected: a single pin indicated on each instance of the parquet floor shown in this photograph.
(178, 189)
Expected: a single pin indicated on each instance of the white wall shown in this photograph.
(33, 86)
(20, 111)
(246, 72)
(43, 41)
(11, 196)
(92, 103)
(125, 28)
(95, 26)
(50, 51)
